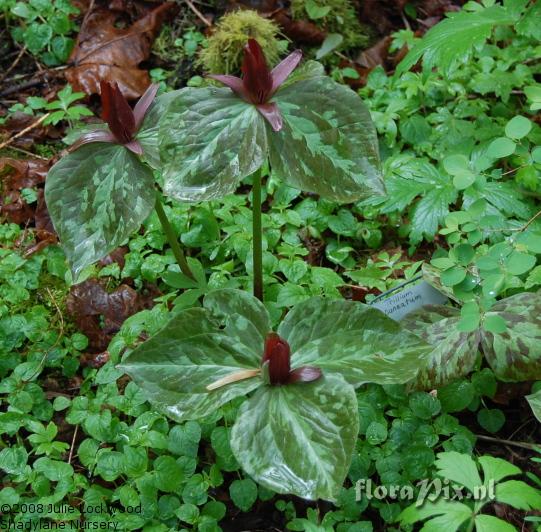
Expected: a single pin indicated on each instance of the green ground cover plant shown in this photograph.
(195, 405)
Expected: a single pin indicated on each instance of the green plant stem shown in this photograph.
(257, 237)
(172, 239)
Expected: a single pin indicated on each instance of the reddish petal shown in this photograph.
(304, 374)
(234, 83)
(117, 112)
(134, 147)
(256, 76)
(282, 70)
(100, 135)
(271, 114)
(141, 107)
(277, 355)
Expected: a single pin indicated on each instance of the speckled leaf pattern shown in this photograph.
(328, 143)
(454, 353)
(97, 196)
(354, 340)
(209, 141)
(175, 366)
(299, 438)
(534, 400)
(148, 134)
(515, 355)
(246, 318)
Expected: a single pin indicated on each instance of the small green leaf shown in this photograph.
(453, 276)
(518, 263)
(243, 493)
(331, 42)
(492, 420)
(519, 495)
(518, 127)
(489, 523)
(501, 147)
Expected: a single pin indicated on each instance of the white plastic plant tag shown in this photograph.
(399, 304)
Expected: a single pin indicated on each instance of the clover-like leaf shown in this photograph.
(357, 341)
(298, 438)
(454, 352)
(97, 196)
(176, 366)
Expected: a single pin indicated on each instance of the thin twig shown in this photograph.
(72, 447)
(521, 444)
(25, 130)
(14, 64)
(198, 13)
(26, 152)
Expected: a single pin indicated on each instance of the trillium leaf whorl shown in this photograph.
(296, 434)
(100, 192)
(317, 134)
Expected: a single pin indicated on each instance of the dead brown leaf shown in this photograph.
(99, 314)
(17, 175)
(104, 51)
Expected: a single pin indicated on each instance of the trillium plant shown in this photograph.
(315, 134)
(297, 425)
(103, 190)
(296, 432)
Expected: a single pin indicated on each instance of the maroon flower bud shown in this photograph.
(123, 122)
(258, 83)
(277, 355)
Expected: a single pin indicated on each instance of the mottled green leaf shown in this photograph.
(534, 400)
(209, 140)
(453, 352)
(148, 134)
(515, 354)
(97, 196)
(175, 366)
(299, 438)
(328, 143)
(355, 340)
(245, 317)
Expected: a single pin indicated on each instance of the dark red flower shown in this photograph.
(258, 84)
(123, 122)
(277, 355)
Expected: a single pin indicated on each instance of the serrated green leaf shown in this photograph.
(299, 438)
(519, 495)
(97, 197)
(450, 515)
(464, 29)
(459, 468)
(489, 523)
(496, 469)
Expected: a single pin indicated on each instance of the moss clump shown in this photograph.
(223, 54)
(341, 18)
